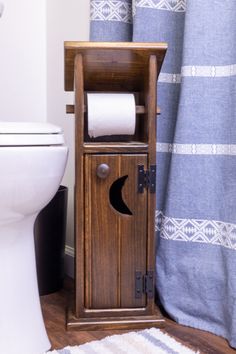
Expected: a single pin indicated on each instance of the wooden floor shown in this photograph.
(54, 305)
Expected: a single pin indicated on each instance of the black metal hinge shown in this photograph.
(147, 179)
(138, 285)
(149, 284)
(144, 284)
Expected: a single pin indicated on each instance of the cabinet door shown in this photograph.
(115, 231)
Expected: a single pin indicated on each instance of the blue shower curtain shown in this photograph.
(196, 151)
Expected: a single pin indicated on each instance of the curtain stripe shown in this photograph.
(197, 149)
(169, 78)
(196, 230)
(209, 71)
(169, 5)
(110, 10)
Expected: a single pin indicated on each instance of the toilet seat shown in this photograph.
(30, 134)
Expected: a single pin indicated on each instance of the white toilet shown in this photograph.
(32, 163)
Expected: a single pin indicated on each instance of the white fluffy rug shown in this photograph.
(148, 341)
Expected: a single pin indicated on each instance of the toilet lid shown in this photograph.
(30, 134)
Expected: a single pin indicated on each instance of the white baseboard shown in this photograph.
(69, 261)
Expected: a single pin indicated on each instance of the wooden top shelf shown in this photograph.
(138, 46)
(112, 66)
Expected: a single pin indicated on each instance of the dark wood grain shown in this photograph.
(110, 233)
(111, 245)
(133, 231)
(125, 147)
(150, 94)
(111, 66)
(102, 236)
(79, 184)
(70, 109)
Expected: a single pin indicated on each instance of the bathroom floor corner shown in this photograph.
(54, 305)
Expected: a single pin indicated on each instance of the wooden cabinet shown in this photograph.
(115, 190)
(115, 232)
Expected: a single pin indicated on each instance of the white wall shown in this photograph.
(23, 60)
(32, 68)
(67, 20)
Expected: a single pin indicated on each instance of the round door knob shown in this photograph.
(103, 170)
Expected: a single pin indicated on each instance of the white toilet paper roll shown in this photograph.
(111, 114)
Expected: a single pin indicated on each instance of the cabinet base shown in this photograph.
(112, 323)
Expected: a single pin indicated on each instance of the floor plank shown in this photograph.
(54, 306)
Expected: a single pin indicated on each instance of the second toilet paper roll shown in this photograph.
(111, 114)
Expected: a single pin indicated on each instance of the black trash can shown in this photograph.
(49, 235)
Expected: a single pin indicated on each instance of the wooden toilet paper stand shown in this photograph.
(114, 189)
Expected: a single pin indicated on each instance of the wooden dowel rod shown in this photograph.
(70, 108)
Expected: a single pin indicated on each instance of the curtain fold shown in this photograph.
(196, 150)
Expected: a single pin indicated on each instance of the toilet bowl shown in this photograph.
(32, 163)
